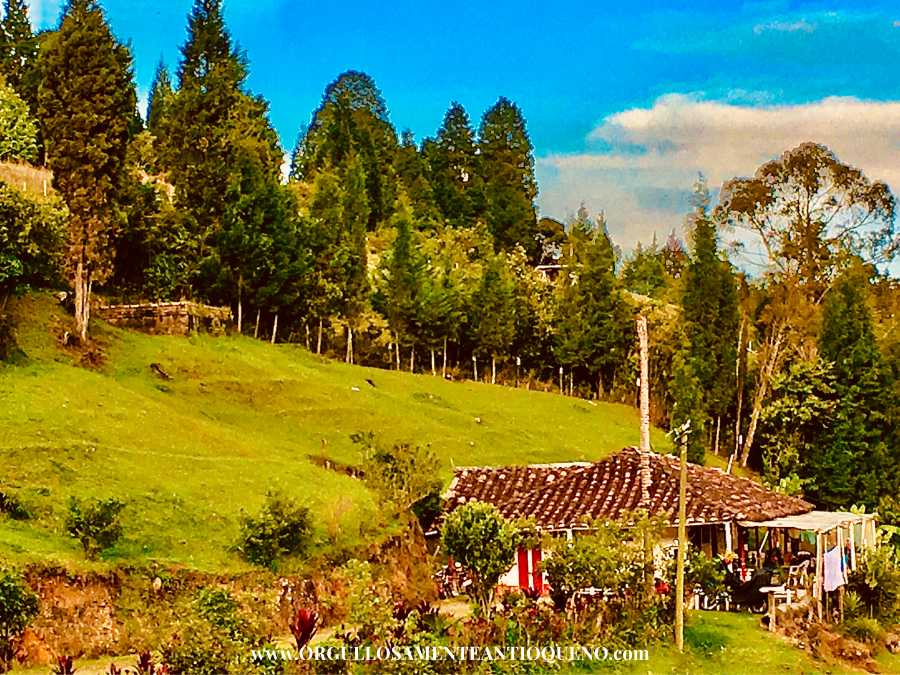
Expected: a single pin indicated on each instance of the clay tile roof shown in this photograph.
(558, 496)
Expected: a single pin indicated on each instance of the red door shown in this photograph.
(522, 563)
(537, 575)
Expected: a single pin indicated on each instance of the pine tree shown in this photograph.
(412, 174)
(352, 124)
(510, 188)
(159, 99)
(855, 463)
(18, 51)
(454, 171)
(355, 211)
(86, 103)
(405, 280)
(710, 327)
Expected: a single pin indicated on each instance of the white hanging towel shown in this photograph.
(834, 573)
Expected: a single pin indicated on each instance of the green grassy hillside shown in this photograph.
(238, 417)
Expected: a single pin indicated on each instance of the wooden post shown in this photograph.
(852, 546)
(518, 365)
(820, 568)
(275, 328)
(728, 542)
(645, 382)
(682, 539)
(771, 595)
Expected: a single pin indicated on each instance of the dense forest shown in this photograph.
(430, 257)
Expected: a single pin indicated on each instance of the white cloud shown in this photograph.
(646, 159)
(801, 26)
(44, 13)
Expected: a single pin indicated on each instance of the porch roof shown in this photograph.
(813, 521)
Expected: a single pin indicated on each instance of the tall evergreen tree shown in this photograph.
(510, 188)
(352, 124)
(454, 170)
(405, 280)
(855, 464)
(710, 326)
(412, 173)
(18, 51)
(86, 104)
(159, 99)
(493, 322)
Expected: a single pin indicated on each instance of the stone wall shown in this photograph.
(168, 318)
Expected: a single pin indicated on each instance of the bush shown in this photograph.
(483, 542)
(281, 528)
(95, 524)
(863, 629)
(199, 649)
(18, 606)
(10, 504)
(877, 582)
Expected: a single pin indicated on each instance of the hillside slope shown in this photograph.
(237, 418)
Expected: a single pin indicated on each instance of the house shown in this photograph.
(724, 512)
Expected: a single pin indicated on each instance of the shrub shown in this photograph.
(199, 649)
(877, 582)
(480, 539)
(281, 528)
(219, 608)
(18, 130)
(864, 629)
(18, 606)
(95, 524)
(854, 606)
(304, 626)
(10, 504)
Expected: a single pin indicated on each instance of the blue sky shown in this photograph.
(625, 101)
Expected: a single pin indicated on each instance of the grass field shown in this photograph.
(239, 417)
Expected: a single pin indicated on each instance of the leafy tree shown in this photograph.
(551, 236)
(32, 241)
(18, 131)
(855, 464)
(18, 606)
(454, 169)
(404, 281)
(86, 103)
(510, 188)
(493, 321)
(95, 524)
(795, 422)
(353, 252)
(479, 538)
(19, 51)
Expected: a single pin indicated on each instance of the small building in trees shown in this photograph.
(725, 513)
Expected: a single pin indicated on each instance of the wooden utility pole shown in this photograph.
(645, 382)
(682, 436)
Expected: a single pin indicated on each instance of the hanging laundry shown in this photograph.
(834, 573)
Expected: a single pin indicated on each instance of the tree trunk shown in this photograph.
(644, 341)
(306, 325)
(412, 358)
(319, 338)
(444, 367)
(397, 351)
(275, 328)
(718, 429)
(240, 306)
(571, 383)
(772, 354)
(562, 389)
(740, 367)
(493, 370)
(82, 300)
(349, 356)
(256, 329)
(475, 367)
(433, 366)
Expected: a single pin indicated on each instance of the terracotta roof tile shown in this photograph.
(560, 496)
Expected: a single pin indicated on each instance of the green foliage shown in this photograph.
(18, 131)
(478, 537)
(281, 528)
(32, 239)
(493, 321)
(795, 421)
(864, 629)
(703, 572)
(199, 649)
(877, 582)
(12, 506)
(645, 271)
(95, 523)
(614, 555)
(854, 463)
(454, 169)
(159, 99)
(18, 606)
(86, 104)
(19, 50)
(710, 327)
(402, 475)
(506, 159)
